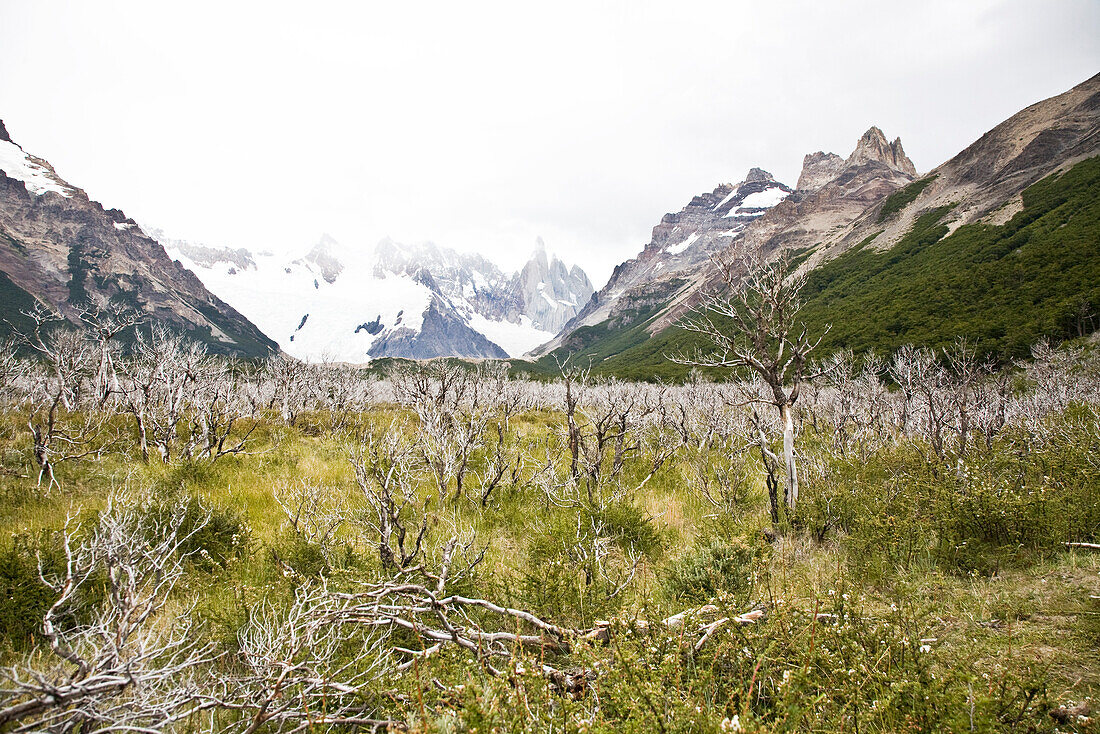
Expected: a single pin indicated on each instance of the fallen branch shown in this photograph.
(1086, 546)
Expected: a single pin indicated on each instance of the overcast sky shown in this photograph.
(480, 126)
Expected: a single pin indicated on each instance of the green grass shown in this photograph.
(1009, 629)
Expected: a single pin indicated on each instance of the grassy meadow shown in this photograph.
(921, 583)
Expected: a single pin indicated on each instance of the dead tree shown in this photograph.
(292, 387)
(453, 404)
(105, 326)
(219, 403)
(63, 423)
(385, 472)
(304, 667)
(755, 329)
(160, 381)
(313, 511)
(126, 665)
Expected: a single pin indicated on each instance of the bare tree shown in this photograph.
(160, 382)
(755, 329)
(106, 325)
(305, 667)
(129, 666)
(293, 383)
(313, 511)
(63, 424)
(453, 404)
(385, 472)
(219, 403)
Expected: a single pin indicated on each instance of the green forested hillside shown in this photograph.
(1004, 286)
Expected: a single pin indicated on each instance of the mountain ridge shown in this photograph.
(62, 249)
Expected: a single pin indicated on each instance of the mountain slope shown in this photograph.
(760, 215)
(59, 247)
(680, 245)
(968, 249)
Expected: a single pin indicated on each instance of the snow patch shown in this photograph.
(677, 249)
(38, 179)
(515, 339)
(123, 225)
(763, 199)
(274, 297)
(729, 196)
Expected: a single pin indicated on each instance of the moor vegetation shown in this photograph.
(198, 545)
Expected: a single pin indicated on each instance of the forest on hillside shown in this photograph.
(198, 544)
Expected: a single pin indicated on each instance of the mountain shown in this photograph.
(1001, 244)
(681, 244)
(413, 301)
(62, 249)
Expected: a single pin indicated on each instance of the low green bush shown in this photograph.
(712, 568)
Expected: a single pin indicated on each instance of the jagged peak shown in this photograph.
(758, 174)
(4, 134)
(820, 168)
(873, 146)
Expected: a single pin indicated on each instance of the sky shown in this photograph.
(484, 125)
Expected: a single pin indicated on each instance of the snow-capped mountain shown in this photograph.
(414, 301)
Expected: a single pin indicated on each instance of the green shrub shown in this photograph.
(572, 573)
(629, 526)
(901, 198)
(24, 599)
(713, 568)
(305, 558)
(215, 535)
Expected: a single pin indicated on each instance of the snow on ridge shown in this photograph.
(37, 178)
(729, 196)
(276, 301)
(763, 199)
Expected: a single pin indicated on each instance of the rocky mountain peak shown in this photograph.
(873, 146)
(4, 133)
(758, 174)
(819, 169)
(324, 257)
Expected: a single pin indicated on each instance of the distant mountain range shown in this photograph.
(411, 301)
(1001, 243)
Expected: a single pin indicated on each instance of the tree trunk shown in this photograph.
(787, 415)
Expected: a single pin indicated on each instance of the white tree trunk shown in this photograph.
(787, 414)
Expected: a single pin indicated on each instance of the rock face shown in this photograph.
(61, 248)
(418, 302)
(442, 333)
(681, 244)
(873, 147)
(819, 169)
(798, 224)
(839, 204)
(983, 182)
(322, 256)
(547, 292)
